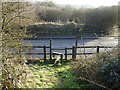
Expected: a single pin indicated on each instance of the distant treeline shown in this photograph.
(49, 28)
(101, 18)
(70, 28)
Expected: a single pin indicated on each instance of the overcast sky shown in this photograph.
(94, 3)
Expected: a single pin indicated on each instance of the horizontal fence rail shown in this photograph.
(92, 47)
(38, 46)
(57, 49)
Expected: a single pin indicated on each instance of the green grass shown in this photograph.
(51, 76)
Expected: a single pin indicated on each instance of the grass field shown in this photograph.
(52, 76)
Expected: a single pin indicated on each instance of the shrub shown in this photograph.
(109, 74)
(101, 70)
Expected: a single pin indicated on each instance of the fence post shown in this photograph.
(66, 54)
(73, 52)
(76, 46)
(97, 49)
(61, 57)
(30, 53)
(44, 53)
(50, 49)
(30, 46)
(76, 41)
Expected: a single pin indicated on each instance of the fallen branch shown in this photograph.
(82, 78)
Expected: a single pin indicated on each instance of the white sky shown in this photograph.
(94, 3)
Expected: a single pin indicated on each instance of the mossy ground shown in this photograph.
(47, 75)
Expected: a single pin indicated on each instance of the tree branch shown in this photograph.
(82, 78)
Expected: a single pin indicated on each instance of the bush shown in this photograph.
(109, 74)
(102, 70)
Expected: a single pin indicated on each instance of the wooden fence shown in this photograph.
(74, 51)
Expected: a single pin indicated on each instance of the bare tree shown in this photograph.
(15, 17)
